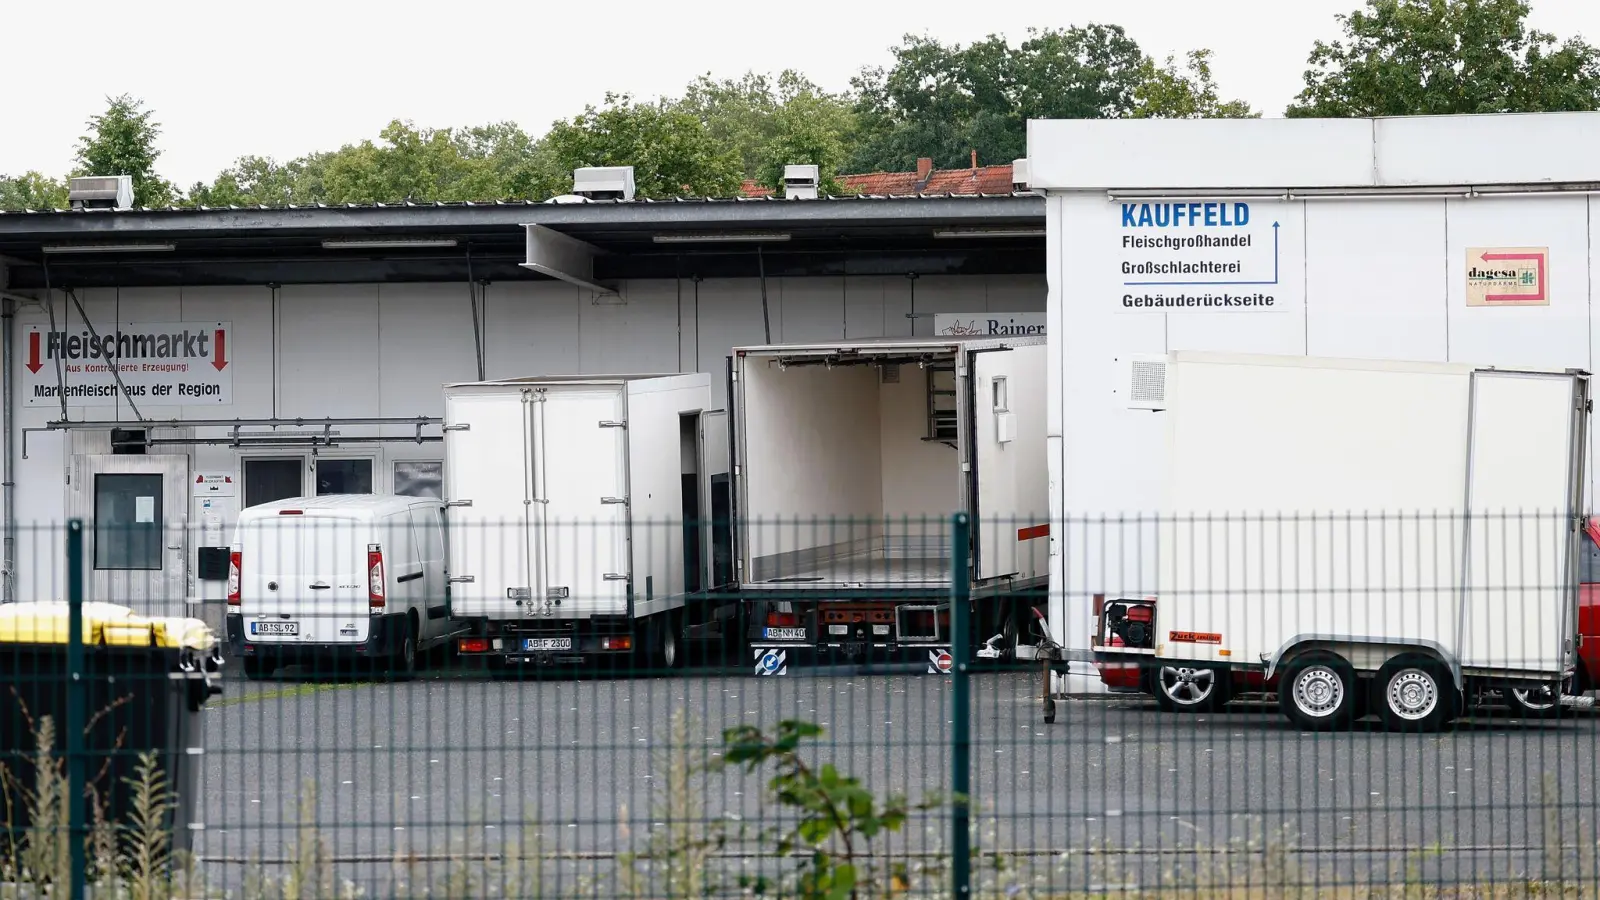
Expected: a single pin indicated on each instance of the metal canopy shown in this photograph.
(889, 236)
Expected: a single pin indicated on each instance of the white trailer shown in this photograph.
(850, 460)
(1400, 532)
(582, 516)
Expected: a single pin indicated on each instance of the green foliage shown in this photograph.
(673, 153)
(122, 141)
(772, 123)
(1430, 57)
(943, 101)
(32, 190)
(1165, 92)
(833, 810)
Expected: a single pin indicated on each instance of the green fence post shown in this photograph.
(77, 714)
(961, 707)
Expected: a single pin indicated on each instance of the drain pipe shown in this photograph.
(8, 479)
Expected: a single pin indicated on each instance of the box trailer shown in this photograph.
(587, 517)
(1394, 537)
(850, 459)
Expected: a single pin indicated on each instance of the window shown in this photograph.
(1001, 398)
(127, 522)
(1589, 568)
(266, 480)
(344, 476)
(419, 478)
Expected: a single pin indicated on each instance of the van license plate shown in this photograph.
(289, 628)
(784, 634)
(547, 643)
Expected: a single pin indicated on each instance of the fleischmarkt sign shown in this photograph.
(160, 364)
(1217, 256)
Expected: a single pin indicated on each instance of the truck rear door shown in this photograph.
(1524, 490)
(581, 537)
(491, 519)
(1009, 476)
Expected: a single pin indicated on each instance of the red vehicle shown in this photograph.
(1131, 623)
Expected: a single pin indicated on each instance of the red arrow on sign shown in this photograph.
(220, 358)
(1538, 259)
(34, 365)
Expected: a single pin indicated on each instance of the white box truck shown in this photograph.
(583, 515)
(1393, 537)
(850, 460)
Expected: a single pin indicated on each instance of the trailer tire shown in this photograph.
(1414, 693)
(1190, 689)
(1318, 691)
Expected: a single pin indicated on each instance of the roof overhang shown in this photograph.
(596, 243)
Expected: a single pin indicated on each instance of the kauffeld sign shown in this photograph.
(160, 364)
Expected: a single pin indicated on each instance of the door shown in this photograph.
(427, 523)
(273, 478)
(1524, 483)
(304, 577)
(1008, 484)
(136, 514)
(580, 527)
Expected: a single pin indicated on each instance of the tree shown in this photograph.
(122, 141)
(672, 151)
(32, 190)
(1429, 57)
(773, 122)
(944, 101)
(1165, 92)
(261, 180)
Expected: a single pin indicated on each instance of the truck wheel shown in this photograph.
(668, 641)
(404, 664)
(1189, 688)
(1539, 702)
(255, 668)
(1414, 693)
(1317, 691)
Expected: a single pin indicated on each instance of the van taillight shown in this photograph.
(375, 576)
(233, 578)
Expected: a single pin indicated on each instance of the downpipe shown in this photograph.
(8, 472)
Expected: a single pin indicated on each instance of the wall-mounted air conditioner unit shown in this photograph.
(101, 192)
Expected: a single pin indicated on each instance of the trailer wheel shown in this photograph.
(1050, 711)
(1190, 688)
(1318, 691)
(1414, 693)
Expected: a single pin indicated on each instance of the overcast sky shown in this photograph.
(292, 76)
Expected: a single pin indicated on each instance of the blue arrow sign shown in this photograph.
(1273, 281)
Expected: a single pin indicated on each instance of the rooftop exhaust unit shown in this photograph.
(1019, 175)
(800, 182)
(101, 192)
(603, 182)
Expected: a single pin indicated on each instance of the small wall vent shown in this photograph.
(889, 374)
(1146, 382)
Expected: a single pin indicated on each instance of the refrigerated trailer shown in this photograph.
(850, 459)
(1393, 537)
(587, 517)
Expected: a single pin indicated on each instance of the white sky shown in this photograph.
(291, 76)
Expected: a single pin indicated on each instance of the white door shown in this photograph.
(136, 515)
(580, 531)
(1522, 497)
(995, 474)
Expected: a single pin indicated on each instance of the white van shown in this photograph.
(338, 578)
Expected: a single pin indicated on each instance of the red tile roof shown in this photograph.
(976, 180)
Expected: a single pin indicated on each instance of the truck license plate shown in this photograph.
(288, 628)
(784, 634)
(547, 643)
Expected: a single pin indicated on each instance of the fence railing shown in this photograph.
(1317, 705)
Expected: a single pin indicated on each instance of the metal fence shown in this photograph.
(1427, 756)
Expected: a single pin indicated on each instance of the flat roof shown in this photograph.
(856, 235)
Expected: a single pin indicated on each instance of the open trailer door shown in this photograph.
(1009, 479)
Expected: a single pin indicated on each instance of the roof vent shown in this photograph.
(1019, 175)
(101, 192)
(603, 182)
(800, 182)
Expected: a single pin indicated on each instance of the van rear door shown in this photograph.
(303, 578)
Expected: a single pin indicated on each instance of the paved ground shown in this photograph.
(450, 765)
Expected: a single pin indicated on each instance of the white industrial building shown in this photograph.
(327, 333)
(1452, 238)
